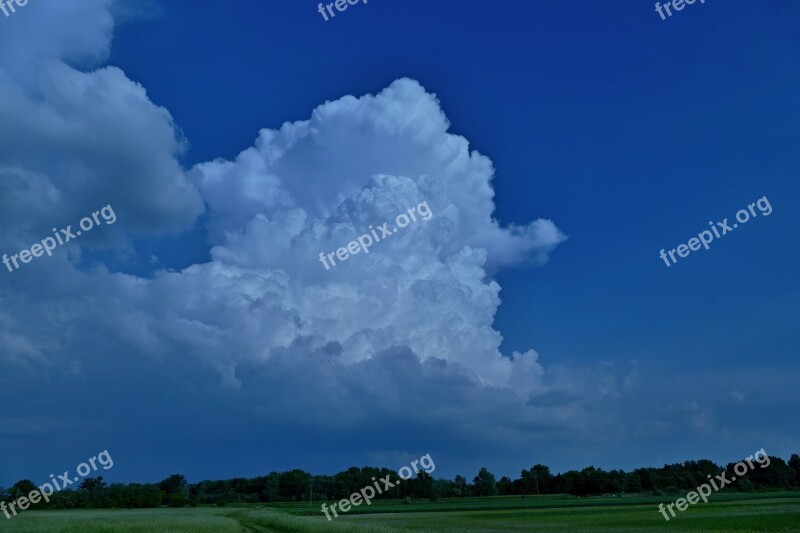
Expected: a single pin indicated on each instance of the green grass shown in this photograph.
(742, 513)
(199, 520)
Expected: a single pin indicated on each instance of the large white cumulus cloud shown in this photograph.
(313, 186)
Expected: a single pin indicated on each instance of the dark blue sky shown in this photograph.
(630, 133)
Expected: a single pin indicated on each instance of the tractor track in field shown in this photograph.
(249, 526)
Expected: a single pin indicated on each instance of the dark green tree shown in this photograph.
(176, 490)
(485, 484)
(794, 464)
(22, 487)
(460, 487)
(505, 486)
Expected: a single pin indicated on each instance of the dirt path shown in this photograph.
(248, 525)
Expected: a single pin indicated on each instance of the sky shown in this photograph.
(559, 146)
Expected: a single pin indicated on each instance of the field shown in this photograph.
(726, 512)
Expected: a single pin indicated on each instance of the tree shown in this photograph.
(537, 480)
(93, 493)
(485, 484)
(176, 490)
(349, 481)
(441, 488)
(504, 486)
(794, 463)
(460, 487)
(294, 485)
(272, 487)
(22, 487)
(420, 487)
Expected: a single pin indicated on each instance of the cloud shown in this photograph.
(315, 185)
(78, 33)
(74, 141)
(404, 334)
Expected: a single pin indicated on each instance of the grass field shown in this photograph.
(727, 512)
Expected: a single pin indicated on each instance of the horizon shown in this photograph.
(467, 475)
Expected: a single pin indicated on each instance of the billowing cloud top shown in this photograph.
(313, 186)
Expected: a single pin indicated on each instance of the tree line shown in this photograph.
(298, 485)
